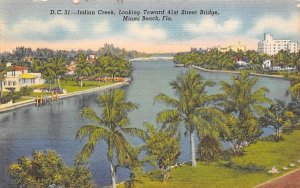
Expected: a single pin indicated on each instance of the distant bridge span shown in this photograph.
(151, 59)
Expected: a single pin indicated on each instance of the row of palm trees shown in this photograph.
(214, 59)
(231, 116)
(55, 68)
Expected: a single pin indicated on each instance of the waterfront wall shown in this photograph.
(13, 106)
(237, 72)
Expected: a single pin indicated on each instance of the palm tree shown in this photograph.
(294, 89)
(59, 67)
(46, 68)
(191, 108)
(83, 68)
(245, 102)
(110, 126)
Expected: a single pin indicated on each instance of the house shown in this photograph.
(71, 68)
(242, 63)
(91, 58)
(267, 64)
(18, 77)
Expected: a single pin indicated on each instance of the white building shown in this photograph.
(271, 46)
(267, 64)
(19, 77)
(235, 47)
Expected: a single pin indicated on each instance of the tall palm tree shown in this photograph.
(59, 67)
(110, 126)
(192, 108)
(240, 96)
(46, 68)
(83, 68)
(242, 102)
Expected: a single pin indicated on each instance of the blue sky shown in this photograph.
(29, 23)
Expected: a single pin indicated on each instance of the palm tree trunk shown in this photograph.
(193, 153)
(81, 83)
(113, 175)
(58, 82)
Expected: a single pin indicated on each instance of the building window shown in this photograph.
(9, 83)
(14, 83)
(4, 83)
(13, 73)
(32, 80)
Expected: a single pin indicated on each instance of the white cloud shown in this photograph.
(102, 27)
(274, 23)
(41, 27)
(210, 26)
(145, 32)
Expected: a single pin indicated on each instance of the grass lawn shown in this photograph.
(24, 99)
(71, 86)
(262, 156)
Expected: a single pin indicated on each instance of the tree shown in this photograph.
(210, 149)
(241, 101)
(46, 68)
(59, 67)
(83, 68)
(294, 89)
(110, 126)
(47, 169)
(277, 118)
(192, 107)
(3, 71)
(163, 147)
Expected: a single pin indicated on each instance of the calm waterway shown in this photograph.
(54, 126)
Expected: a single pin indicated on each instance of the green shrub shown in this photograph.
(26, 91)
(209, 149)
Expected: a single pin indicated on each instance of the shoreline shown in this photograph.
(9, 107)
(237, 72)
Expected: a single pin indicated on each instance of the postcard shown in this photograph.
(153, 93)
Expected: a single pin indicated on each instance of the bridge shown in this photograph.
(151, 59)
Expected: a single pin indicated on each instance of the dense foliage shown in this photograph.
(47, 169)
(278, 118)
(214, 59)
(164, 148)
(242, 103)
(210, 149)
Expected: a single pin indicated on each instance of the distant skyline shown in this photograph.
(29, 23)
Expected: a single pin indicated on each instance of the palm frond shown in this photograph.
(85, 131)
(135, 132)
(89, 113)
(168, 116)
(169, 101)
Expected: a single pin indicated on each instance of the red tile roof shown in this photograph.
(19, 68)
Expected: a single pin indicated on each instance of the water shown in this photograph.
(54, 126)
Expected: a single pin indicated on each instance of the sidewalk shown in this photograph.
(13, 106)
(290, 180)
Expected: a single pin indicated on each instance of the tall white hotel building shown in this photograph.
(272, 47)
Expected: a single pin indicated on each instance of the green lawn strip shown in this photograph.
(24, 99)
(72, 86)
(69, 86)
(264, 154)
